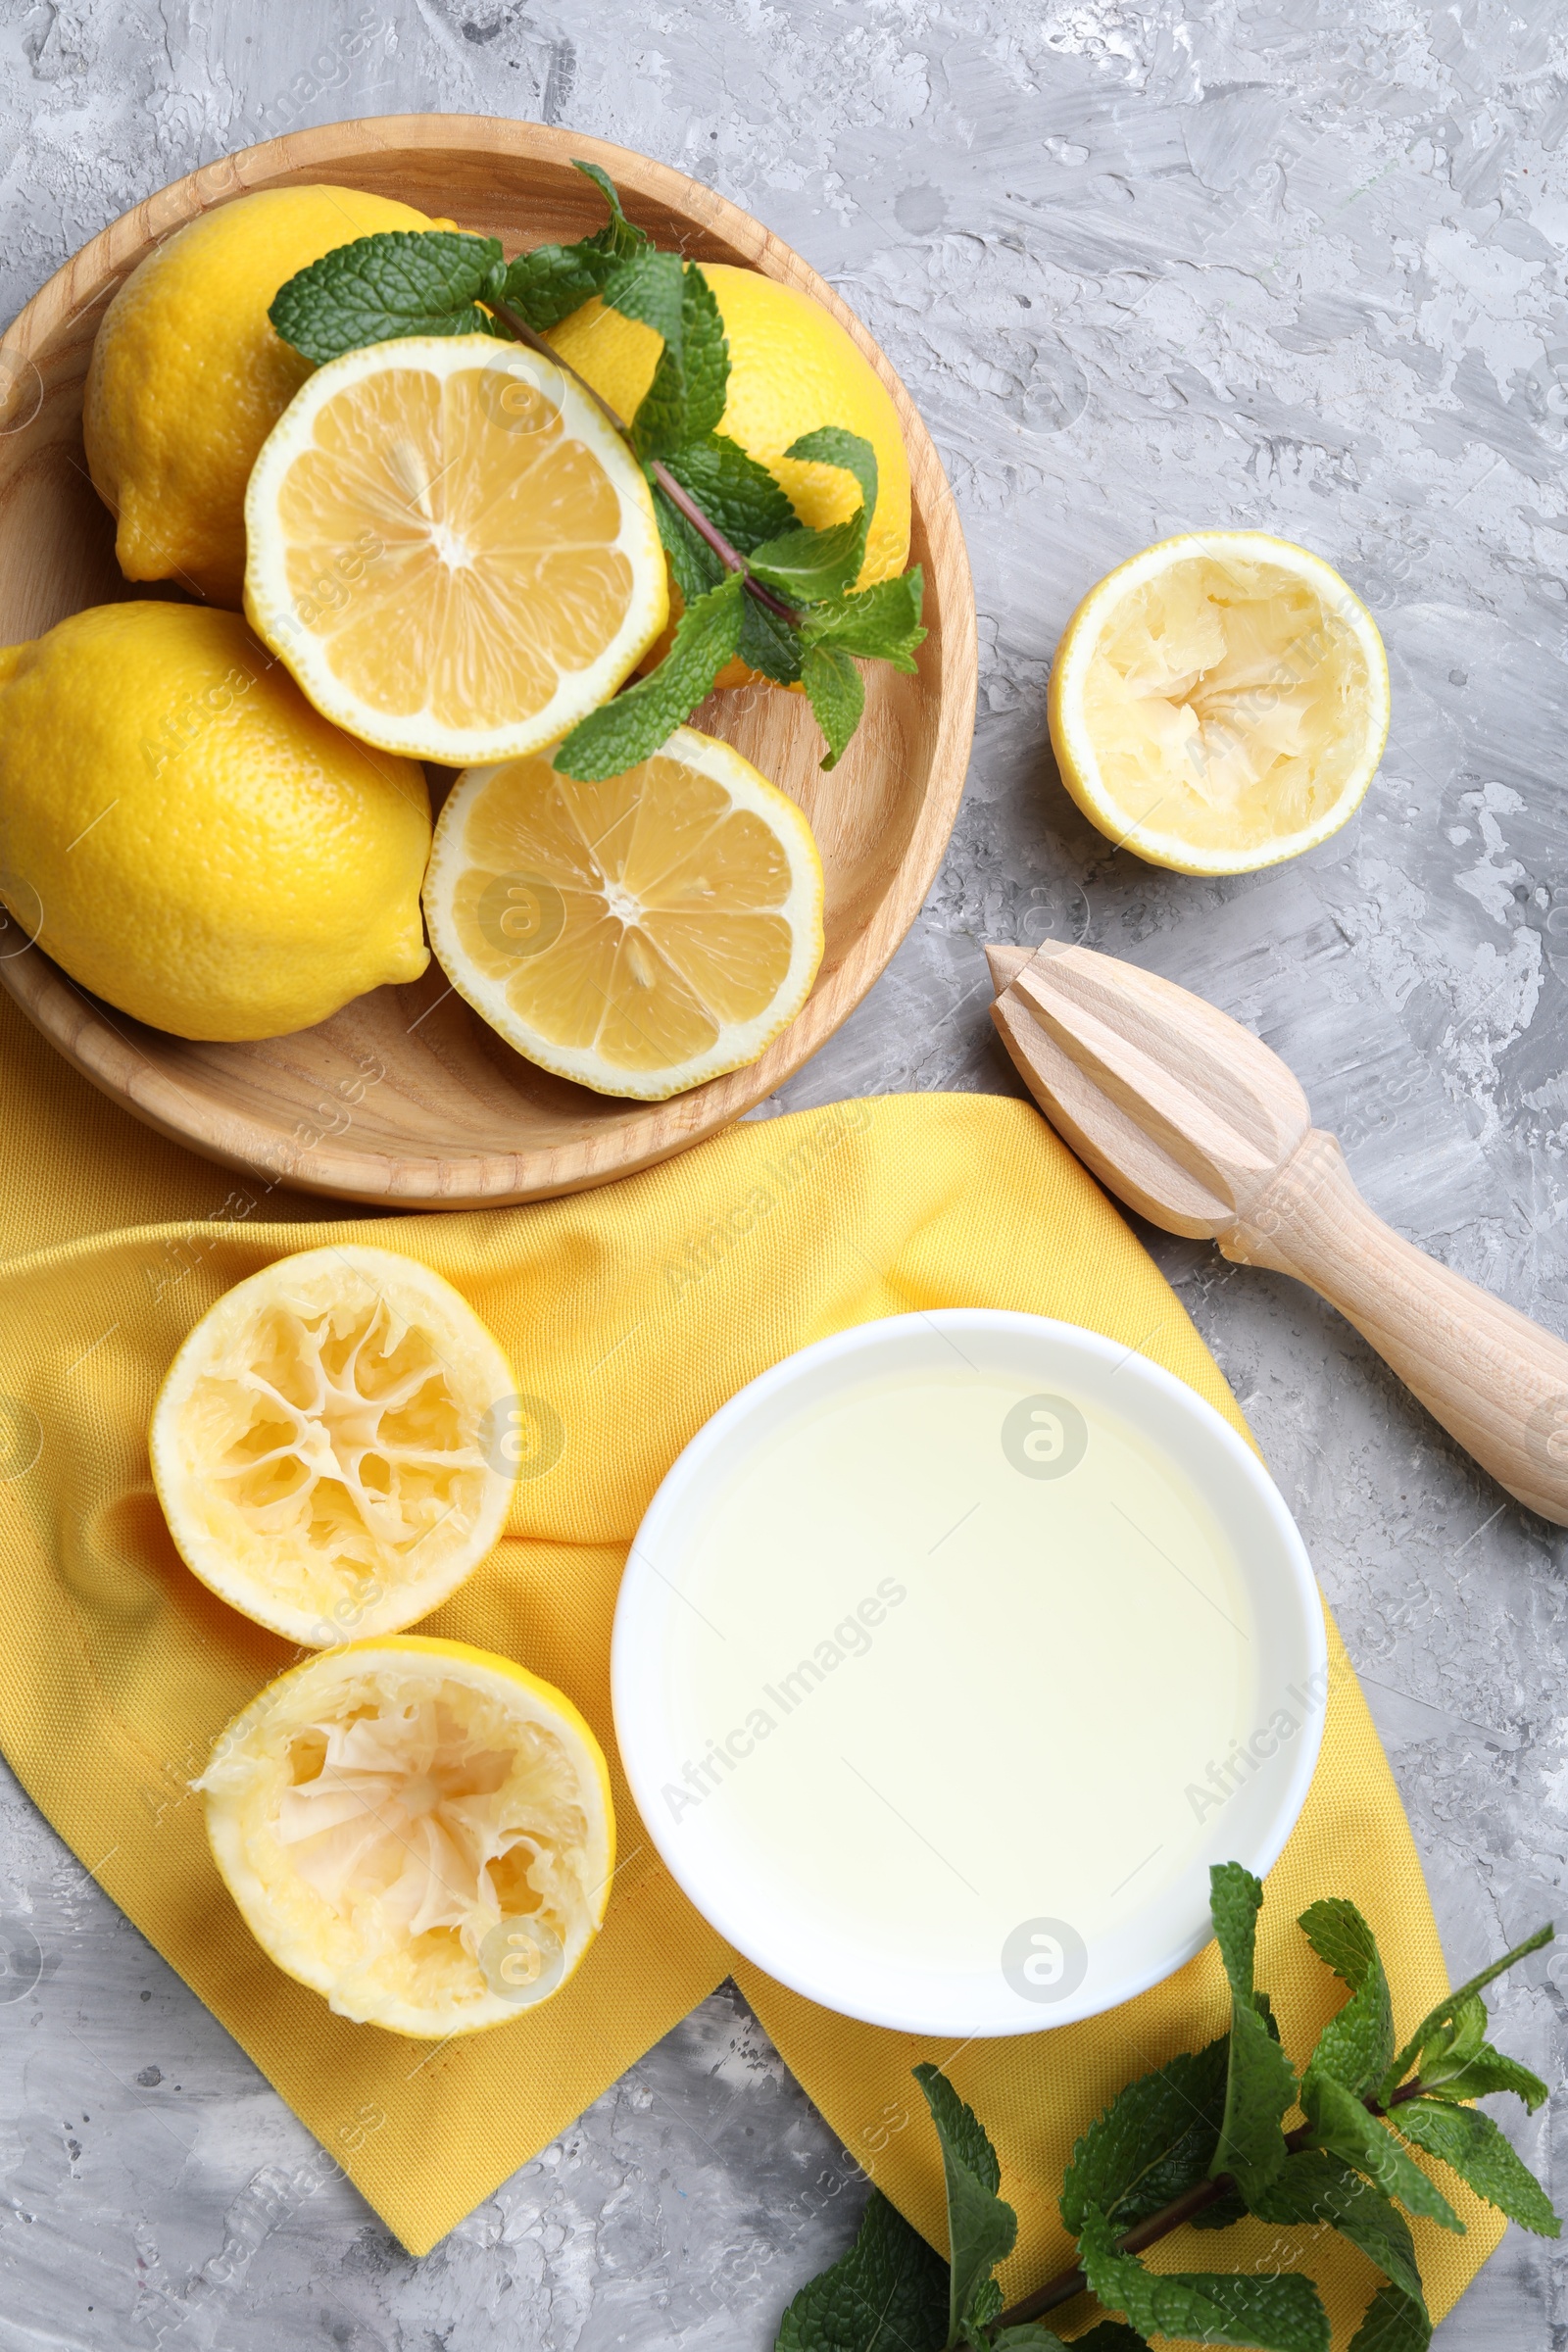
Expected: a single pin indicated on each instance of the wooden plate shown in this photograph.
(406, 1097)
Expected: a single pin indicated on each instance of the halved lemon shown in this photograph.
(639, 935)
(419, 1830)
(334, 1446)
(1219, 702)
(452, 551)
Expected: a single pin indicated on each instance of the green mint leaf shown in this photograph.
(1448, 2007)
(880, 624)
(808, 567)
(633, 726)
(985, 2304)
(889, 2293)
(1234, 1899)
(1356, 2044)
(770, 645)
(548, 284)
(1459, 2064)
(1282, 2313)
(618, 236)
(686, 398)
(733, 490)
(1317, 2188)
(837, 694)
(1260, 2085)
(402, 282)
(692, 560)
(1471, 2143)
(1031, 2337)
(1153, 2142)
(981, 2227)
(1454, 2045)
(1342, 2124)
(1392, 2323)
(1341, 1938)
(1488, 2069)
(647, 285)
(831, 445)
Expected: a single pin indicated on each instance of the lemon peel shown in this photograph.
(421, 1830)
(190, 839)
(1219, 701)
(334, 1445)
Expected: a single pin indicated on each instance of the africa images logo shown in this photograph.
(1247, 1756)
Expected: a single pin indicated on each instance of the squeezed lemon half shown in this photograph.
(452, 551)
(1219, 702)
(641, 934)
(334, 1445)
(419, 1830)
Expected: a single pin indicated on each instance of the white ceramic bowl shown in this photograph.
(990, 1804)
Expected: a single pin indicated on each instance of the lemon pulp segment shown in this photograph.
(331, 1446)
(451, 549)
(1221, 702)
(640, 934)
(419, 1830)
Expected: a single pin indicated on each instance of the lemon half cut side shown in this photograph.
(451, 549)
(419, 1830)
(1219, 702)
(334, 1445)
(641, 934)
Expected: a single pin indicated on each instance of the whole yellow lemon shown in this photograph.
(190, 839)
(187, 377)
(792, 368)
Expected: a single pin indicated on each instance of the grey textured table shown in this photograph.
(1289, 264)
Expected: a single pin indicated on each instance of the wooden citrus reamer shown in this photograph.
(1199, 1126)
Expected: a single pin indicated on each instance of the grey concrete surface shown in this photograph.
(1298, 265)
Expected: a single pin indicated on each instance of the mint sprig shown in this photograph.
(721, 515)
(1157, 2158)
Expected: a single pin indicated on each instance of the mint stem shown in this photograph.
(1067, 2283)
(679, 498)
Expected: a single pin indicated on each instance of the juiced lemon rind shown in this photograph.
(436, 1982)
(1345, 619)
(397, 1557)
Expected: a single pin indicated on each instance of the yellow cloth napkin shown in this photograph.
(633, 1312)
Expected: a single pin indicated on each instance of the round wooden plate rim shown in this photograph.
(84, 1031)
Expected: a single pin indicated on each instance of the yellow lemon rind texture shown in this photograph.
(217, 1533)
(294, 1925)
(187, 377)
(190, 840)
(1075, 751)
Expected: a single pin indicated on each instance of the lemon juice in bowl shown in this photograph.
(948, 1657)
